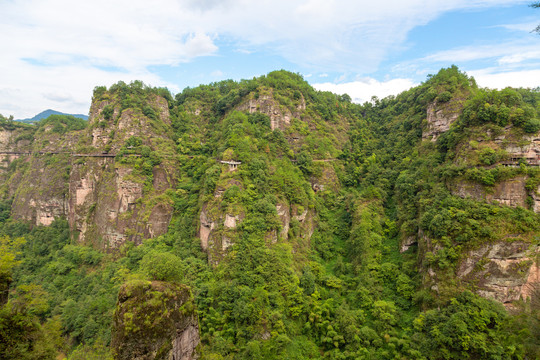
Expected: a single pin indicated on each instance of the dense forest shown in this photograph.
(366, 261)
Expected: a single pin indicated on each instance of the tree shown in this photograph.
(9, 249)
(536, 5)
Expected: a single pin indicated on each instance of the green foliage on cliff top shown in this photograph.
(60, 124)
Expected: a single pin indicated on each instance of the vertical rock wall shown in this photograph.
(155, 320)
(107, 199)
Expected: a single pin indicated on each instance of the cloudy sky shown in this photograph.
(54, 52)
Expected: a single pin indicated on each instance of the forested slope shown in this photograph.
(304, 226)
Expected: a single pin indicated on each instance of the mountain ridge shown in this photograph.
(46, 113)
(419, 238)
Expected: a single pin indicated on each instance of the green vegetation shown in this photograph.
(312, 266)
(61, 124)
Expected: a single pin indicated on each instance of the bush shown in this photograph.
(107, 112)
(445, 96)
(487, 156)
(468, 327)
(150, 113)
(531, 126)
(162, 266)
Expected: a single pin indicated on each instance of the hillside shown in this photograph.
(46, 113)
(264, 219)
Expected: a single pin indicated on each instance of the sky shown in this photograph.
(54, 52)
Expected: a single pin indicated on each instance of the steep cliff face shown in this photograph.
(280, 115)
(512, 192)
(219, 219)
(41, 194)
(440, 115)
(15, 141)
(39, 183)
(155, 320)
(509, 152)
(287, 142)
(122, 198)
(495, 165)
(110, 180)
(504, 271)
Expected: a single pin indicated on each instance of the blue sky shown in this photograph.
(54, 52)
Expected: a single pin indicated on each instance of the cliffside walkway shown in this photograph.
(108, 155)
(232, 164)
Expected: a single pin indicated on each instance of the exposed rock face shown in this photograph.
(407, 242)
(511, 192)
(5, 139)
(104, 201)
(40, 196)
(107, 200)
(155, 320)
(218, 223)
(525, 147)
(11, 143)
(217, 227)
(284, 213)
(280, 116)
(504, 271)
(439, 118)
(326, 179)
(206, 226)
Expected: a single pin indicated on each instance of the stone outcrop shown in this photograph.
(218, 223)
(284, 213)
(280, 116)
(439, 118)
(40, 195)
(155, 320)
(504, 271)
(511, 192)
(107, 200)
(525, 148)
(217, 226)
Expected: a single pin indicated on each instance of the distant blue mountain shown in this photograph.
(45, 114)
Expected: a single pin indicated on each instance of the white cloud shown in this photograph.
(199, 45)
(31, 89)
(58, 96)
(524, 27)
(508, 52)
(362, 91)
(520, 57)
(65, 45)
(494, 78)
(217, 73)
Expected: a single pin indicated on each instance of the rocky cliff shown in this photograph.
(496, 166)
(110, 179)
(154, 321)
(440, 115)
(293, 126)
(121, 195)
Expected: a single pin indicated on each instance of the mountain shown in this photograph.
(45, 114)
(264, 219)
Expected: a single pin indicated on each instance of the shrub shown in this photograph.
(445, 96)
(531, 126)
(162, 266)
(107, 112)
